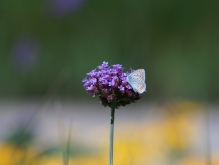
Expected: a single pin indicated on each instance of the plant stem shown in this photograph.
(208, 136)
(113, 107)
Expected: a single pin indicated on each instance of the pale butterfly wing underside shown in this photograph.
(137, 80)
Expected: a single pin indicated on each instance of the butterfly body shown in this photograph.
(137, 80)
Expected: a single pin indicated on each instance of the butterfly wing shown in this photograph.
(139, 86)
(131, 82)
(138, 73)
(137, 80)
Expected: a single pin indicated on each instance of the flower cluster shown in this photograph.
(110, 84)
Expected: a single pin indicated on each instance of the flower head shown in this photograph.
(110, 84)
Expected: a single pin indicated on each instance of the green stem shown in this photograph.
(208, 136)
(113, 107)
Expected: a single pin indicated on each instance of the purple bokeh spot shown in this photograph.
(64, 7)
(24, 53)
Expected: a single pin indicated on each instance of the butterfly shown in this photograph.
(137, 80)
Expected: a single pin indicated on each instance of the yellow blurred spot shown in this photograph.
(192, 161)
(11, 154)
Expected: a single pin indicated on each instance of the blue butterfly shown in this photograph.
(137, 80)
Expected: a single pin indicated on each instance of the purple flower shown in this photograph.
(129, 93)
(84, 80)
(89, 88)
(93, 81)
(104, 66)
(110, 98)
(124, 75)
(114, 72)
(118, 68)
(128, 86)
(124, 83)
(61, 8)
(25, 53)
(103, 81)
(121, 89)
(92, 73)
(110, 84)
(106, 91)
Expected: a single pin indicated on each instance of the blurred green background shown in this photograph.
(48, 46)
(57, 42)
